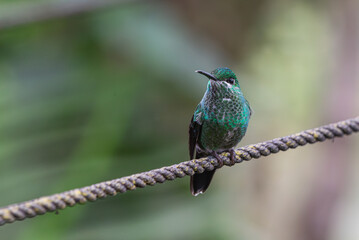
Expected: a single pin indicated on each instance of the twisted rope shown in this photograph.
(91, 193)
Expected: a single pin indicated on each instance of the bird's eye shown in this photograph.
(230, 81)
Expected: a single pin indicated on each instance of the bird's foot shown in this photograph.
(232, 156)
(219, 159)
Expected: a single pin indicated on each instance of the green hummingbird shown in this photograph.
(218, 124)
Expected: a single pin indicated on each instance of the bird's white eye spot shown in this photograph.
(230, 81)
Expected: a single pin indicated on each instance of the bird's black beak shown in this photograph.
(210, 76)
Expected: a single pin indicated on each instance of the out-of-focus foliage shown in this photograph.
(109, 93)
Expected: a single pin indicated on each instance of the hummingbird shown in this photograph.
(218, 124)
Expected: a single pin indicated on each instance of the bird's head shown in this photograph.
(223, 77)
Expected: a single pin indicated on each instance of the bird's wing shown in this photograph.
(195, 128)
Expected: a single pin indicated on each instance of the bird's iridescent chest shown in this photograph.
(225, 120)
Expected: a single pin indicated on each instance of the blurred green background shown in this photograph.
(92, 91)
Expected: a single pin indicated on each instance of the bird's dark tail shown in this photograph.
(201, 181)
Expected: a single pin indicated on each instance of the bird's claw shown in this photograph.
(232, 156)
(219, 159)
